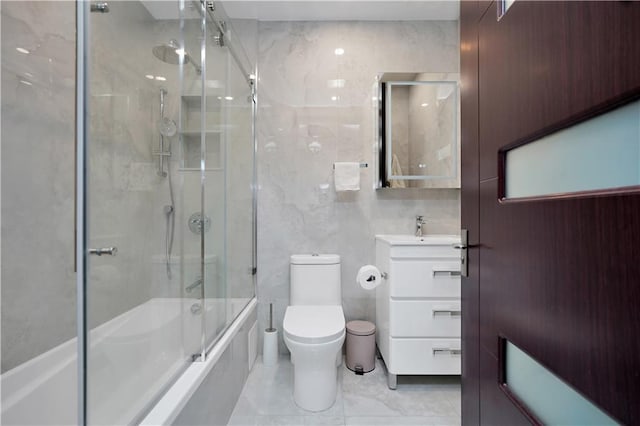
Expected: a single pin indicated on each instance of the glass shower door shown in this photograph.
(213, 151)
(142, 324)
(228, 174)
(238, 113)
(168, 197)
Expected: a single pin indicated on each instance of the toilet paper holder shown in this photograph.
(384, 276)
(370, 277)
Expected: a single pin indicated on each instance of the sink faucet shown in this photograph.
(420, 221)
(193, 285)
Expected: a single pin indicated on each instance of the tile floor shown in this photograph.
(267, 399)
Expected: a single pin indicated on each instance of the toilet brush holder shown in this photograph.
(270, 347)
(270, 342)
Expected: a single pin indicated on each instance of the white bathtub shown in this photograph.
(132, 358)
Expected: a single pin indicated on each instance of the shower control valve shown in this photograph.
(199, 223)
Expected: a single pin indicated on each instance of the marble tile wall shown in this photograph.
(126, 195)
(315, 108)
(38, 107)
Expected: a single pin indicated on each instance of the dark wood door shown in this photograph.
(559, 277)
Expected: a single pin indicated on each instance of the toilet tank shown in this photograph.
(315, 280)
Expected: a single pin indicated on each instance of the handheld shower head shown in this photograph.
(167, 127)
(172, 53)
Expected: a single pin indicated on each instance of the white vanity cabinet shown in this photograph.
(418, 309)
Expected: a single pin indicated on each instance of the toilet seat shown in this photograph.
(314, 323)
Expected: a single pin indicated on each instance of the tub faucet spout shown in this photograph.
(193, 285)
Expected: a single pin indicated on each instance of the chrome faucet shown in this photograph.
(193, 285)
(420, 221)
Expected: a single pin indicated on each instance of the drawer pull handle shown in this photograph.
(447, 312)
(446, 272)
(446, 351)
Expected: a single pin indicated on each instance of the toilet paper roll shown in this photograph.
(369, 277)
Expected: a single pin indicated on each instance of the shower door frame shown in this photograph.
(82, 113)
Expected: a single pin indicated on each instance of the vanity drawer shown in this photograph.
(434, 278)
(425, 318)
(430, 251)
(424, 356)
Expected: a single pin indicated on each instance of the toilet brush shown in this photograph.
(270, 342)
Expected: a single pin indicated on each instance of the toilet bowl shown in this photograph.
(314, 329)
(314, 336)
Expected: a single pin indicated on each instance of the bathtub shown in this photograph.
(132, 360)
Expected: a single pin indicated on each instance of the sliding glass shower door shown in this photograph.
(168, 241)
(142, 292)
(227, 176)
(168, 197)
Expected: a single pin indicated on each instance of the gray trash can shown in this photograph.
(361, 346)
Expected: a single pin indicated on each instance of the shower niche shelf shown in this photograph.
(191, 145)
(192, 120)
(194, 102)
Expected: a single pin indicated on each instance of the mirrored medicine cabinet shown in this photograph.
(417, 121)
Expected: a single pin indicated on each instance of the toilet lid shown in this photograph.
(313, 323)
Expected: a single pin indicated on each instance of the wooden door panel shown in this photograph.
(546, 62)
(561, 280)
(496, 409)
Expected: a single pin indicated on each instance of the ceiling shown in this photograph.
(324, 10)
(343, 10)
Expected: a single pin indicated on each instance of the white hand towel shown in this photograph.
(347, 176)
(396, 170)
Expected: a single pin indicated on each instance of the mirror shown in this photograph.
(418, 121)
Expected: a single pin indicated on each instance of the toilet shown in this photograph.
(314, 329)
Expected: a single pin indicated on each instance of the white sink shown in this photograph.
(412, 240)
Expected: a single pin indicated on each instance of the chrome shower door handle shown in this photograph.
(100, 7)
(111, 251)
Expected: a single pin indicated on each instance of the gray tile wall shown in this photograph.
(38, 107)
(306, 123)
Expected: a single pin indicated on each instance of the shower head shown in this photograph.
(171, 53)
